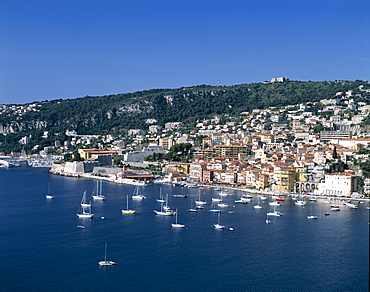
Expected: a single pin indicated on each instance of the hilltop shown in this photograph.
(116, 114)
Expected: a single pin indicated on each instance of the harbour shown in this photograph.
(51, 248)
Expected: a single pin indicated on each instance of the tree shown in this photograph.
(116, 161)
(335, 154)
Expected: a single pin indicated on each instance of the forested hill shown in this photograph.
(115, 113)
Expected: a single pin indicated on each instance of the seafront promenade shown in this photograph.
(161, 180)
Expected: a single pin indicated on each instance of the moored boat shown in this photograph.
(127, 210)
(105, 262)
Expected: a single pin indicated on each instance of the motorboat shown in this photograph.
(311, 217)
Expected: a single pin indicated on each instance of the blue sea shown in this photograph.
(42, 249)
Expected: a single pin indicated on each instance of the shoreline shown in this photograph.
(247, 190)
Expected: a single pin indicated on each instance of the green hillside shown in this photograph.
(116, 113)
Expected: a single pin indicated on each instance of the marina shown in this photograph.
(146, 246)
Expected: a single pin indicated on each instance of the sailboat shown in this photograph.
(85, 209)
(267, 220)
(127, 210)
(84, 204)
(165, 212)
(258, 206)
(98, 192)
(218, 225)
(214, 209)
(161, 199)
(191, 208)
(105, 262)
(274, 213)
(223, 193)
(166, 207)
(311, 216)
(137, 195)
(49, 195)
(200, 202)
(177, 225)
(222, 205)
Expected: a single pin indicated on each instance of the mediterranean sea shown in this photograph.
(43, 249)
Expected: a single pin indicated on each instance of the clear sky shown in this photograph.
(53, 49)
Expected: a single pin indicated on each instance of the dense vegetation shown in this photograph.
(116, 114)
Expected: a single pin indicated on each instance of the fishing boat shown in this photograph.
(127, 210)
(106, 262)
(98, 191)
(137, 194)
(85, 209)
(177, 225)
(49, 195)
(218, 225)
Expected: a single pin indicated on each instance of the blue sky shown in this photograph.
(65, 49)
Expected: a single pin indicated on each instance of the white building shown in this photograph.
(341, 184)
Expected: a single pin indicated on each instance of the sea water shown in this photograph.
(43, 249)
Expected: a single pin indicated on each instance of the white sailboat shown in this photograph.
(274, 213)
(177, 225)
(258, 206)
(224, 193)
(218, 225)
(311, 216)
(137, 195)
(85, 209)
(164, 212)
(166, 207)
(105, 262)
(84, 203)
(200, 202)
(98, 192)
(49, 195)
(127, 210)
